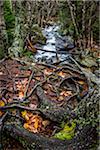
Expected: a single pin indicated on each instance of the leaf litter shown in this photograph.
(14, 86)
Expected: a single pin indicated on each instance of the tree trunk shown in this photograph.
(72, 12)
(89, 27)
(83, 24)
(22, 26)
(3, 33)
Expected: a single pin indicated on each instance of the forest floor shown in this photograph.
(63, 85)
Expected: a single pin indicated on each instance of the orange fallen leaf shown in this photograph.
(36, 123)
(21, 94)
(1, 113)
(30, 128)
(62, 74)
(81, 82)
(25, 115)
(26, 125)
(1, 104)
(38, 78)
(47, 71)
(66, 93)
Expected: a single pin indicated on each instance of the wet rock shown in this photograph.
(64, 43)
(70, 46)
(49, 61)
(43, 58)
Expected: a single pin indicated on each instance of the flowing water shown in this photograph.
(54, 41)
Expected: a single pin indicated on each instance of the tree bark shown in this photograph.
(3, 33)
(72, 12)
(83, 24)
(22, 26)
(89, 27)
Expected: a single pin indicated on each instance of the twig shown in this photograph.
(2, 60)
(19, 106)
(60, 61)
(70, 68)
(30, 78)
(22, 76)
(30, 94)
(76, 63)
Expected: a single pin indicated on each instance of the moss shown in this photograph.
(68, 131)
(9, 20)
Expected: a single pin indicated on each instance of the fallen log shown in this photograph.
(82, 141)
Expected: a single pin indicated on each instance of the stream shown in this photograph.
(55, 42)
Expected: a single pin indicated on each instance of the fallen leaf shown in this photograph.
(38, 78)
(30, 128)
(1, 104)
(25, 115)
(46, 123)
(61, 98)
(1, 113)
(36, 123)
(26, 125)
(21, 94)
(62, 74)
(81, 82)
(66, 93)
(47, 71)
